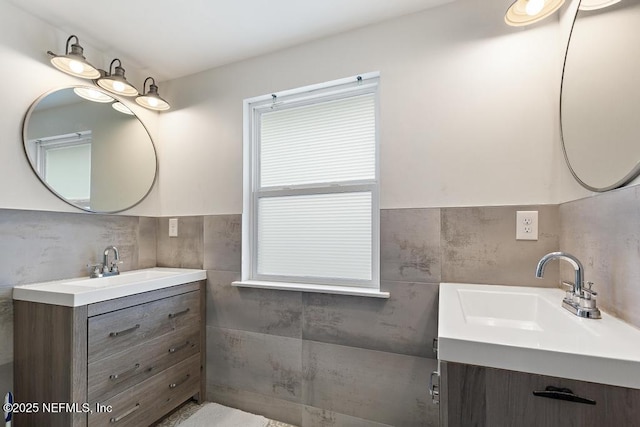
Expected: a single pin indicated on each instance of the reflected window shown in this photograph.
(65, 163)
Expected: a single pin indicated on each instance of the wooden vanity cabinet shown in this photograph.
(135, 358)
(480, 396)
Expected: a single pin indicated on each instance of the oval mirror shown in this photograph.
(86, 152)
(600, 97)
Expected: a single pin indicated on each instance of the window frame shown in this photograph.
(364, 84)
(43, 145)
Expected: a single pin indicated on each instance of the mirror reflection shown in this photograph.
(88, 153)
(600, 94)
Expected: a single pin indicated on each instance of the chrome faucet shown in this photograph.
(579, 299)
(113, 267)
(106, 269)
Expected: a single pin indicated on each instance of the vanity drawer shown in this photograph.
(141, 404)
(113, 332)
(111, 375)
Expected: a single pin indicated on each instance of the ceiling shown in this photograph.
(172, 38)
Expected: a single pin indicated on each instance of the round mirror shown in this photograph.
(600, 98)
(87, 152)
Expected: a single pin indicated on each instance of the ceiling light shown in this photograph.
(73, 62)
(115, 81)
(119, 106)
(596, 4)
(525, 12)
(92, 94)
(152, 99)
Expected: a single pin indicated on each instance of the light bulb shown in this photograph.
(76, 66)
(118, 86)
(153, 102)
(534, 7)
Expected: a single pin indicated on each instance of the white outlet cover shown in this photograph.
(527, 225)
(173, 227)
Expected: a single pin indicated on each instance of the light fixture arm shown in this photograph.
(111, 66)
(144, 85)
(73, 36)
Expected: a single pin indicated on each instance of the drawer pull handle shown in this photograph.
(180, 313)
(563, 394)
(174, 385)
(116, 376)
(180, 347)
(123, 332)
(126, 414)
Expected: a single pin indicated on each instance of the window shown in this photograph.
(311, 211)
(64, 163)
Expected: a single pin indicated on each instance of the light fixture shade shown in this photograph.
(119, 106)
(115, 81)
(526, 12)
(151, 99)
(94, 95)
(596, 4)
(73, 61)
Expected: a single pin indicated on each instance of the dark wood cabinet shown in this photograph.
(480, 396)
(124, 362)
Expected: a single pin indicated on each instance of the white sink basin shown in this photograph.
(526, 329)
(516, 309)
(124, 278)
(82, 291)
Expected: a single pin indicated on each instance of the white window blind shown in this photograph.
(313, 194)
(321, 236)
(320, 143)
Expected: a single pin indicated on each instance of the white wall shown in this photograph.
(469, 111)
(27, 74)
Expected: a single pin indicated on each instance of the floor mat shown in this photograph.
(213, 414)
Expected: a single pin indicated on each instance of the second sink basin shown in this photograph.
(524, 310)
(527, 329)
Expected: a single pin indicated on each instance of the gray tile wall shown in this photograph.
(313, 359)
(479, 246)
(41, 246)
(603, 231)
(183, 251)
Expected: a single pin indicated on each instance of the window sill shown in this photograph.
(306, 287)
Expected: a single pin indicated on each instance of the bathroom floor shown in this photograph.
(190, 408)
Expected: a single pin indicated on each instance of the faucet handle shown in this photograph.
(568, 287)
(96, 270)
(588, 292)
(114, 266)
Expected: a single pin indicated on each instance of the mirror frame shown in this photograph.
(25, 122)
(621, 182)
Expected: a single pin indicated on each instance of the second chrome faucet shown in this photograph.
(580, 299)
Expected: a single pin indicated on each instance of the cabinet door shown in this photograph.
(479, 396)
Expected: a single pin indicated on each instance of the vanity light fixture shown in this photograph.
(525, 12)
(152, 99)
(596, 4)
(119, 106)
(73, 61)
(114, 81)
(92, 94)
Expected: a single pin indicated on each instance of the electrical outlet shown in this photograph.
(527, 225)
(173, 227)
